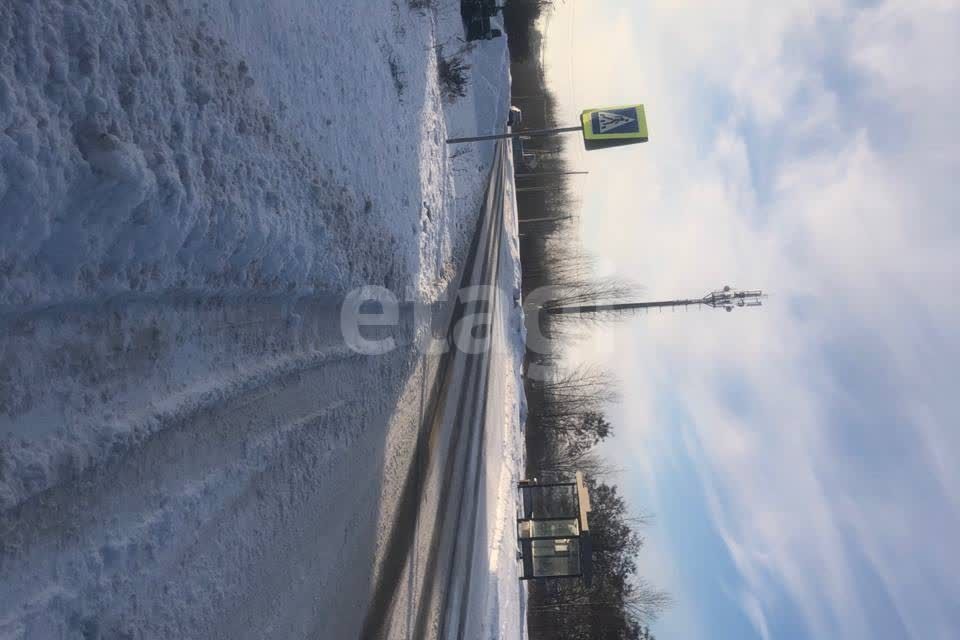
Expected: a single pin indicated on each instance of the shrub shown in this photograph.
(452, 73)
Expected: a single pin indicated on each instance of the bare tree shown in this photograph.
(585, 383)
(565, 461)
(646, 602)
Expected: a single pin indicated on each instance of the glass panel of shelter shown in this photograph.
(549, 501)
(555, 528)
(555, 558)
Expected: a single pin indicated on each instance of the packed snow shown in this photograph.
(502, 604)
(185, 191)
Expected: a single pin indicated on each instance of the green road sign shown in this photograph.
(614, 126)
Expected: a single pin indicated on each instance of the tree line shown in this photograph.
(567, 408)
(567, 418)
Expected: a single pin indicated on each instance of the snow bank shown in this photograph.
(178, 166)
(238, 146)
(506, 595)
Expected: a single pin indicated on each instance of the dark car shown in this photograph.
(483, 8)
(476, 18)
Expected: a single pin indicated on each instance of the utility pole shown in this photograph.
(726, 298)
(545, 219)
(544, 152)
(550, 174)
(549, 187)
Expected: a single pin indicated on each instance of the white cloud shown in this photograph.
(839, 447)
(751, 605)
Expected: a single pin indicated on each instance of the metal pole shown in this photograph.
(555, 187)
(546, 219)
(551, 174)
(542, 152)
(516, 134)
(595, 308)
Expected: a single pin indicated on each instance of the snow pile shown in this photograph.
(506, 594)
(175, 157)
(147, 146)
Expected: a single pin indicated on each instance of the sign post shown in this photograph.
(515, 134)
(601, 128)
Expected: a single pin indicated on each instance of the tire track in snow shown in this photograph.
(139, 515)
(100, 366)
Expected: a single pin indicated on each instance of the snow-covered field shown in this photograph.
(186, 190)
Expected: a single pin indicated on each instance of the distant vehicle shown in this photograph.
(514, 117)
(476, 16)
(484, 8)
(478, 28)
(525, 161)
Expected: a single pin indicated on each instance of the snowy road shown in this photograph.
(324, 495)
(426, 568)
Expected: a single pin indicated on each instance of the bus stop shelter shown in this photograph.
(553, 530)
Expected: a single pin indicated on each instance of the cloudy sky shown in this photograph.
(800, 459)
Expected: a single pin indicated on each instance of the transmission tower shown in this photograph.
(727, 298)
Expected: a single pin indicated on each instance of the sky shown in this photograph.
(800, 460)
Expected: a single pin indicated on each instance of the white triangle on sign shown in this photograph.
(610, 120)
